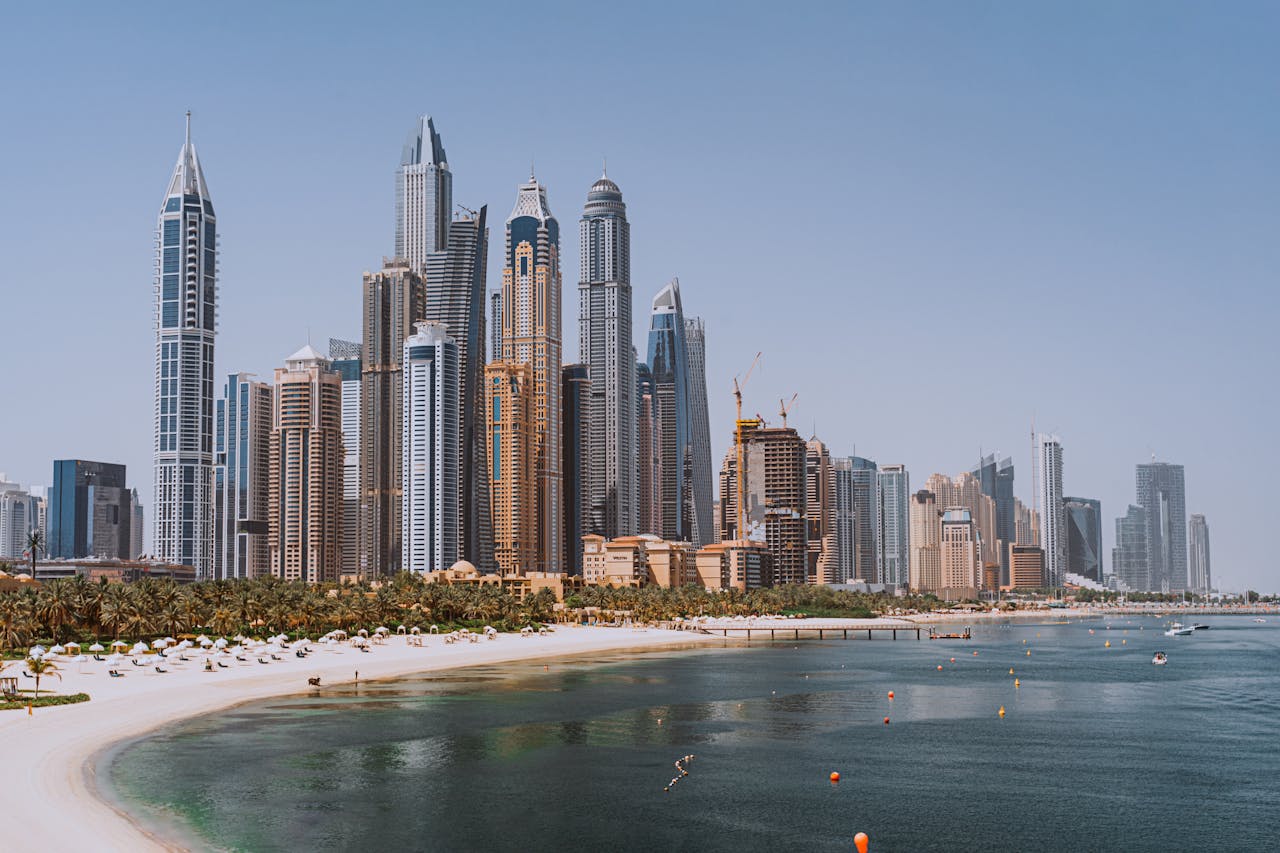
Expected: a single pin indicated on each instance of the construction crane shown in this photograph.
(783, 408)
(737, 396)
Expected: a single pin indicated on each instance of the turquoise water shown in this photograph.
(1099, 750)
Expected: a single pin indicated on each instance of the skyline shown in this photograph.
(320, 253)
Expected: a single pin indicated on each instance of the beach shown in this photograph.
(49, 757)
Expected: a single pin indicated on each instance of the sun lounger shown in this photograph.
(161, 669)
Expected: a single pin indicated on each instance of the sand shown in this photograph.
(48, 758)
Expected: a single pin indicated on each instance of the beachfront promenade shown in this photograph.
(48, 758)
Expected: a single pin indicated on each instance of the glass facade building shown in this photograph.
(89, 512)
(1084, 537)
(1162, 494)
(241, 471)
(668, 364)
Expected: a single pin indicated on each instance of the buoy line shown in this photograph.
(681, 772)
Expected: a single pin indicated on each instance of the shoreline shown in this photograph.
(53, 757)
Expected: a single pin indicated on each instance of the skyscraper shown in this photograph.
(241, 475)
(823, 562)
(1199, 578)
(509, 397)
(392, 299)
(1084, 537)
(455, 289)
(604, 336)
(1162, 494)
(1129, 557)
(17, 519)
(305, 498)
(578, 438)
(866, 505)
(431, 470)
(531, 335)
(137, 546)
(345, 356)
(424, 196)
(960, 560)
(893, 525)
(495, 325)
(89, 511)
(668, 362)
(1053, 523)
(775, 497)
(926, 543)
(185, 321)
(996, 479)
(648, 454)
(844, 524)
(700, 478)
(965, 490)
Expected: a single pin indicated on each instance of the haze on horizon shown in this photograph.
(936, 221)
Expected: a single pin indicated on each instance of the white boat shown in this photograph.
(1179, 632)
(1259, 620)
(1199, 627)
(1160, 659)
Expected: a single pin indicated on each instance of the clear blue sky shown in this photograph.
(934, 218)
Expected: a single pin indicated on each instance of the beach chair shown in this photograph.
(115, 673)
(99, 658)
(161, 669)
(223, 665)
(314, 682)
(260, 660)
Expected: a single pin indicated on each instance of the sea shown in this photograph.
(1098, 749)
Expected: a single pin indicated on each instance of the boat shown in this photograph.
(1160, 659)
(1179, 632)
(1199, 627)
(1260, 620)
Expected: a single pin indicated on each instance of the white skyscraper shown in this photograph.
(345, 356)
(241, 473)
(1053, 519)
(431, 471)
(185, 320)
(424, 196)
(893, 536)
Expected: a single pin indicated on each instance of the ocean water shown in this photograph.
(1098, 750)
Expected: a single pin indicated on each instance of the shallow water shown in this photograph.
(1099, 750)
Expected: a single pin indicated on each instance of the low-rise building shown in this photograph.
(735, 564)
(637, 561)
(114, 571)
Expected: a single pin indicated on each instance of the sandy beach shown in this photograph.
(48, 757)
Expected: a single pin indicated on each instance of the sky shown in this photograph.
(936, 220)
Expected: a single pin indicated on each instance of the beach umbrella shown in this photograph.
(57, 650)
(119, 643)
(382, 629)
(240, 638)
(97, 647)
(36, 650)
(158, 644)
(416, 630)
(201, 639)
(170, 640)
(139, 648)
(73, 645)
(185, 644)
(220, 643)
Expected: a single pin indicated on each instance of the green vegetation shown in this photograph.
(76, 609)
(44, 701)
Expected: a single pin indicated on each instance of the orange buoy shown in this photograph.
(1002, 711)
(835, 777)
(886, 721)
(1107, 644)
(860, 842)
(890, 695)
(1124, 642)
(939, 667)
(1017, 683)
(1028, 652)
(953, 660)
(1011, 670)
(975, 654)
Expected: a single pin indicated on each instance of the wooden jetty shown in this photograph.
(796, 629)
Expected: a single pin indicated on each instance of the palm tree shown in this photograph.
(39, 666)
(35, 542)
(55, 605)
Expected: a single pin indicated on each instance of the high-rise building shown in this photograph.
(1026, 528)
(509, 404)
(424, 197)
(18, 518)
(1162, 493)
(495, 325)
(893, 525)
(137, 542)
(531, 335)
(1053, 521)
(668, 361)
(345, 356)
(1084, 537)
(604, 340)
(965, 490)
(823, 563)
(996, 479)
(926, 543)
(700, 478)
(306, 458)
(89, 511)
(648, 453)
(241, 477)
(866, 505)
(393, 299)
(185, 321)
(1026, 567)
(844, 522)
(775, 495)
(1129, 556)
(576, 399)
(961, 555)
(455, 289)
(1199, 578)
(431, 469)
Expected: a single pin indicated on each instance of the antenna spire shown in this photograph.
(188, 127)
(532, 179)
(604, 168)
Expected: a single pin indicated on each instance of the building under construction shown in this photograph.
(774, 496)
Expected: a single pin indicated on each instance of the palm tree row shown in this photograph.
(77, 609)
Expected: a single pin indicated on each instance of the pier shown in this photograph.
(796, 629)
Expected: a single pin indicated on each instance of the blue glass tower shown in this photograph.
(185, 321)
(668, 362)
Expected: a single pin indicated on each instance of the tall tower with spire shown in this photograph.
(185, 321)
(531, 335)
(604, 335)
(424, 196)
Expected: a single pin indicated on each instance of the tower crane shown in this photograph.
(783, 408)
(737, 396)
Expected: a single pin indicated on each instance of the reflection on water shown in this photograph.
(1099, 750)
